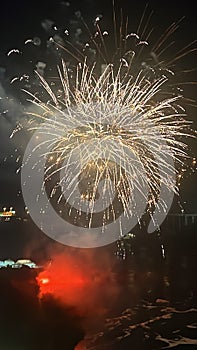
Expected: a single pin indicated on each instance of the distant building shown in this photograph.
(9, 215)
(6, 263)
(18, 264)
(6, 215)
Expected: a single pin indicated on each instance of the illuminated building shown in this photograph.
(18, 264)
(6, 215)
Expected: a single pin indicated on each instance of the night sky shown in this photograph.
(21, 20)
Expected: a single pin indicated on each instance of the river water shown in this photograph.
(158, 303)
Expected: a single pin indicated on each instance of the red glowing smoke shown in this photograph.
(80, 279)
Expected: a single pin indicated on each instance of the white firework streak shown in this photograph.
(113, 136)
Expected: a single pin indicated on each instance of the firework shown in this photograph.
(106, 147)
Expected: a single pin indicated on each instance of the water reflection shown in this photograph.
(158, 306)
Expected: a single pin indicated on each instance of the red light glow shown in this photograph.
(79, 280)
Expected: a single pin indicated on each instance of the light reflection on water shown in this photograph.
(146, 326)
(157, 310)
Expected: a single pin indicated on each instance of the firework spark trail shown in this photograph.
(112, 142)
(108, 118)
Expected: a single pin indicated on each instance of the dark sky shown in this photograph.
(20, 20)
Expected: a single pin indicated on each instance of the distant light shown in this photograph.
(44, 280)
(162, 251)
(7, 214)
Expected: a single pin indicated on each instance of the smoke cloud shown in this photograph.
(81, 278)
